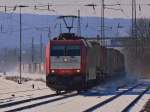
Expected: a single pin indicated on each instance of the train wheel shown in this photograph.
(79, 91)
(58, 92)
(85, 90)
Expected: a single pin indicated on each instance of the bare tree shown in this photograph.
(138, 54)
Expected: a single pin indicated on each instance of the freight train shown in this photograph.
(74, 63)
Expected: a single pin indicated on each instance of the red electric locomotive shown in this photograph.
(73, 63)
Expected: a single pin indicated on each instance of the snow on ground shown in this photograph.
(74, 104)
(11, 91)
(12, 86)
(38, 80)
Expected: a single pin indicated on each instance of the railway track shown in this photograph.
(18, 94)
(54, 98)
(25, 101)
(110, 99)
(23, 104)
(128, 107)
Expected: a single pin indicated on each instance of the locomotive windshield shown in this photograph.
(65, 50)
(58, 50)
(72, 50)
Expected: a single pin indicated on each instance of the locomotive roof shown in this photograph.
(68, 36)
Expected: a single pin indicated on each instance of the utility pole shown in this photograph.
(41, 52)
(20, 57)
(118, 27)
(5, 60)
(134, 27)
(32, 56)
(79, 24)
(60, 28)
(49, 32)
(102, 20)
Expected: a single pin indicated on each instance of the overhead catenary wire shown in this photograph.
(52, 6)
(73, 4)
(49, 7)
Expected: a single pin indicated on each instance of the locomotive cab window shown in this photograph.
(58, 50)
(65, 50)
(72, 50)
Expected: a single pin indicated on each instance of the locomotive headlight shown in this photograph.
(78, 71)
(65, 60)
(53, 71)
